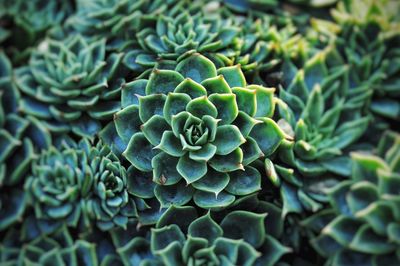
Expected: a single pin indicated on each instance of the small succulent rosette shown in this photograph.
(362, 226)
(185, 31)
(21, 138)
(197, 129)
(25, 23)
(183, 237)
(317, 110)
(73, 85)
(80, 184)
(58, 248)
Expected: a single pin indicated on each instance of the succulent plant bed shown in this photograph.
(177, 132)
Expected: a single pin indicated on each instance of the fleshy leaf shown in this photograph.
(244, 182)
(268, 135)
(163, 82)
(197, 67)
(140, 152)
(191, 170)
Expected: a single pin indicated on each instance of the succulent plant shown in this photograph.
(323, 121)
(72, 84)
(78, 183)
(21, 138)
(59, 248)
(362, 227)
(170, 36)
(198, 132)
(119, 21)
(365, 36)
(24, 23)
(239, 239)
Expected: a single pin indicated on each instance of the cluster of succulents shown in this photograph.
(224, 132)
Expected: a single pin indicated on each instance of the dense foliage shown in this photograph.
(177, 132)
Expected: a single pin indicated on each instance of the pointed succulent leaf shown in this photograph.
(174, 104)
(170, 144)
(182, 216)
(233, 75)
(130, 91)
(153, 129)
(213, 182)
(202, 106)
(244, 182)
(162, 237)
(228, 163)
(196, 67)
(210, 201)
(163, 82)
(191, 88)
(268, 135)
(178, 194)
(205, 227)
(245, 225)
(246, 100)
(226, 107)
(191, 170)
(216, 85)
(227, 139)
(151, 105)
(140, 152)
(165, 169)
(127, 122)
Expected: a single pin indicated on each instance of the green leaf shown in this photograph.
(154, 128)
(191, 246)
(361, 195)
(245, 123)
(210, 201)
(140, 183)
(246, 100)
(140, 152)
(201, 106)
(206, 152)
(245, 225)
(197, 67)
(233, 75)
(227, 249)
(127, 122)
(178, 194)
(226, 107)
(178, 123)
(165, 169)
(228, 163)
(378, 215)
(367, 241)
(216, 85)
(191, 88)
(174, 104)
(191, 170)
(265, 100)
(271, 251)
(130, 91)
(251, 151)
(205, 227)
(161, 238)
(171, 255)
(163, 82)
(170, 144)
(268, 135)
(151, 105)
(182, 216)
(213, 182)
(342, 229)
(227, 139)
(244, 182)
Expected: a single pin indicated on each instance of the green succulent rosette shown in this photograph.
(72, 84)
(198, 130)
(362, 226)
(167, 37)
(58, 248)
(365, 36)
(25, 23)
(323, 120)
(239, 239)
(119, 21)
(21, 138)
(77, 184)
